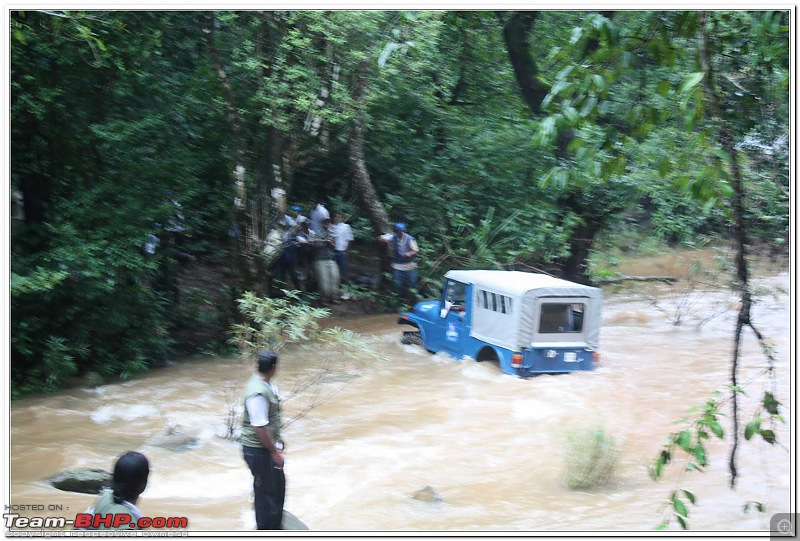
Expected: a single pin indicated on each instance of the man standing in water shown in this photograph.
(262, 444)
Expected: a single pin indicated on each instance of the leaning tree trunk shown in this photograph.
(358, 167)
(516, 33)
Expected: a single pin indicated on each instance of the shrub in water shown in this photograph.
(591, 458)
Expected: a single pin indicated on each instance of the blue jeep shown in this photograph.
(529, 323)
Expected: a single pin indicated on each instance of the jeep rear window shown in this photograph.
(561, 317)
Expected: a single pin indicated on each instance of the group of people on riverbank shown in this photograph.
(314, 253)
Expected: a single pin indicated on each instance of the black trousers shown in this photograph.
(269, 485)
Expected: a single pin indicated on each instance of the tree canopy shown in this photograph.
(504, 139)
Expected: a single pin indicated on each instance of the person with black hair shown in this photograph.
(261, 442)
(129, 481)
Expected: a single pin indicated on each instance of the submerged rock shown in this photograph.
(291, 522)
(175, 439)
(86, 481)
(427, 494)
(92, 380)
(89, 380)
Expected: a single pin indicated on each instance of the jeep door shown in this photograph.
(455, 317)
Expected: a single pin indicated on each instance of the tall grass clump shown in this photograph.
(592, 456)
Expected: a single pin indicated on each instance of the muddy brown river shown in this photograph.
(372, 432)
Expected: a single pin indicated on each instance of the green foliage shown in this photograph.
(688, 443)
(767, 413)
(275, 323)
(109, 109)
(690, 440)
(103, 312)
(591, 457)
(40, 280)
(272, 323)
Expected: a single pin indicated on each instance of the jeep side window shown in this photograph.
(456, 295)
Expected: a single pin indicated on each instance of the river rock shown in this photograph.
(175, 439)
(291, 522)
(427, 494)
(92, 379)
(86, 481)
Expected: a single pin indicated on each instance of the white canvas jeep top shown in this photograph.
(506, 308)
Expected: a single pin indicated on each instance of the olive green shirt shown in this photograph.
(106, 505)
(257, 386)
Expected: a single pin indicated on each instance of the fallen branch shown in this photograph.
(618, 279)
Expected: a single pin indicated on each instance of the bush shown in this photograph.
(591, 458)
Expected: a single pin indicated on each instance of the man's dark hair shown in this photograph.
(267, 361)
(130, 476)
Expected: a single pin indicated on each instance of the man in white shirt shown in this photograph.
(343, 236)
(319, 215)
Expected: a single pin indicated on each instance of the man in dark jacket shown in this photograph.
(404, 252)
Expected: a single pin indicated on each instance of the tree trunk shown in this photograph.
(580, 244)
(358, 167)
(247, 232)
(725, 138)
(516, 32)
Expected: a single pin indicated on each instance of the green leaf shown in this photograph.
(760, 507)
(768, 435)
(690, 82)
(662, 526)
(724, 156)
(682, 522)
(751, 428)
(663, 88)
(700, 454)
(680, 507)
(715, 428)
(689, 495)
(710, 204)
(770, 404)
(588, 106)
(564, 72)
(658, 467)
(684, 440)
(571, 115)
